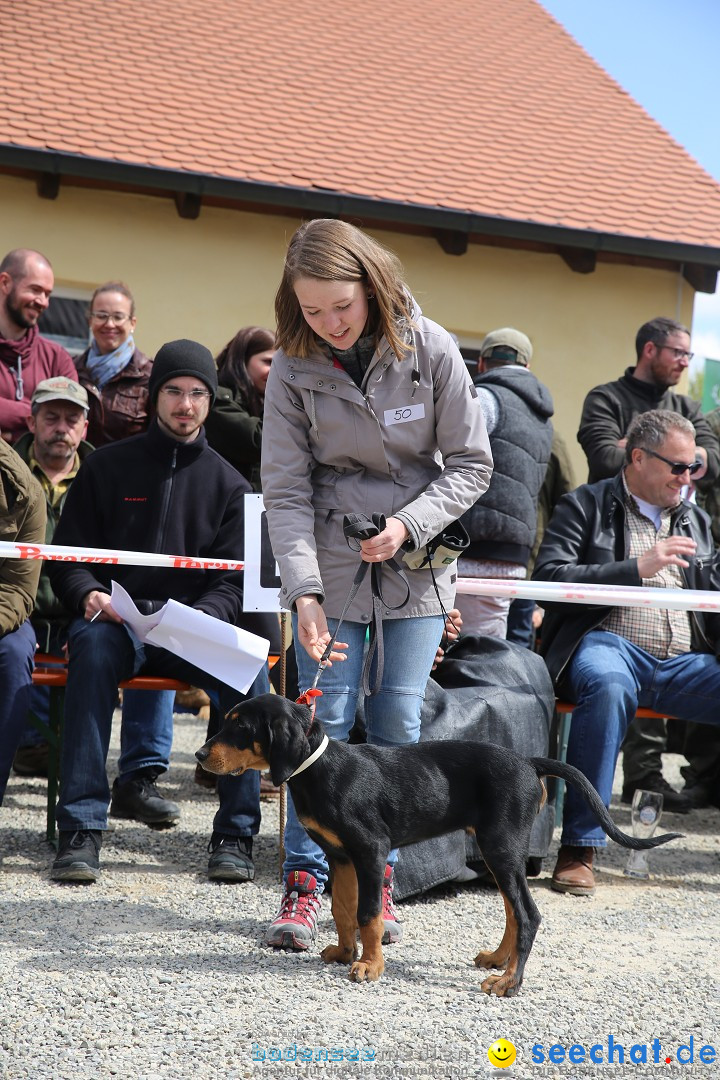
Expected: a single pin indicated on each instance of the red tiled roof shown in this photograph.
(482, 106)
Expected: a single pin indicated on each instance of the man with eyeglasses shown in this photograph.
(26, 358)
(663, 354)
(167, 491)
(636, 528)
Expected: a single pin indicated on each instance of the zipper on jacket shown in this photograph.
(19, 387)
(166, 502)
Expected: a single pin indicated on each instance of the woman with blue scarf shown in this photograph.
(113, 371)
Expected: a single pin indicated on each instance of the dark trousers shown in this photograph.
(16, 666)
(102, 654)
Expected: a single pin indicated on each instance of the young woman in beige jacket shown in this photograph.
(369, 409)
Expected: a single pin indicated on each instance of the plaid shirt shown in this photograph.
(661, 633)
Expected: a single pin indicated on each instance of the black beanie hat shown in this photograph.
(183, 357)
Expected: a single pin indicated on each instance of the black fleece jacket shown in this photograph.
(609, 410)
(153, 493)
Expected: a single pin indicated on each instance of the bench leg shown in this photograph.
(563, 740)
(57, 707)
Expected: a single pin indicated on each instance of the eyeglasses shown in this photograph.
(679, 354)
(195, 397)
(677, 468)
(118, 317)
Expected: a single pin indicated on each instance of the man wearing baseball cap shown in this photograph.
(503, 522)
(164, 490)
(52, 449)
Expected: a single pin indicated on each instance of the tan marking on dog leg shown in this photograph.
(344, 909)
(506, 955)
(327, 834)
(501, 956)
(371, 964)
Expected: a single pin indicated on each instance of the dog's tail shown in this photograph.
(550, 767)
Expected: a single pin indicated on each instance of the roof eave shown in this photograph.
(462, 224)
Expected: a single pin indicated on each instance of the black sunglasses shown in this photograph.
(677, 468)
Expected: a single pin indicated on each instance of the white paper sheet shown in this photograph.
(232, 655)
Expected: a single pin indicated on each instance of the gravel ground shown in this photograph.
(156, 972)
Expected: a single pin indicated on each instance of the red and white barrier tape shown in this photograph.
(112, 556)
(604, 595)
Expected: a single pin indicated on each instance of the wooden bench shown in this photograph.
(565, 709)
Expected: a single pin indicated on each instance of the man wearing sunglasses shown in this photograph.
(633, 529)
(662, 348)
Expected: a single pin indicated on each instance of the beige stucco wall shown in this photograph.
(206, 278)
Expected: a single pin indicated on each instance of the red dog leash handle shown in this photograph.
(308, 698)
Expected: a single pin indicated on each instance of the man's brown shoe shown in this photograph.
(573, 871)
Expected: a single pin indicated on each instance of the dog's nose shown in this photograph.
(202, 754)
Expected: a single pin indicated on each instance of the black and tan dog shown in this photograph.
(359, 802)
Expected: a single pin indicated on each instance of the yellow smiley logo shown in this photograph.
(501, 1053)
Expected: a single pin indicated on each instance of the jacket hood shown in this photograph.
(523, 383)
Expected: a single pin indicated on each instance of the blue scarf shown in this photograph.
(104, 367)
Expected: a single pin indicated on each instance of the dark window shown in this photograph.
(65, 322)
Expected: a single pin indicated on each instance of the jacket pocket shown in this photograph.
(132, 402)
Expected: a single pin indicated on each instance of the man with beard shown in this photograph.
(54, 449)
(164, 490)
(26, 358)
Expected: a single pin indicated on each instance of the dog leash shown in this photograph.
(358, 527)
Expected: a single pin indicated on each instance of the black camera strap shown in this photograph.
(358, 527)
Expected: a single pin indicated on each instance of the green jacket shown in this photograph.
(49, 615)
(22, 519)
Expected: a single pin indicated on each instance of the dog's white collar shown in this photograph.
(313, 757)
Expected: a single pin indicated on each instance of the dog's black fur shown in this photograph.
(359, 802)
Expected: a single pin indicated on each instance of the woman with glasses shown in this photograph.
(113, 370)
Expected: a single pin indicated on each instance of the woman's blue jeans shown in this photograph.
(392, 716)
(609, 678)
(102, 654)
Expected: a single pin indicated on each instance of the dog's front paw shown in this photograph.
(337, 954)
(494, 959)
(366, 970)
(500, 985)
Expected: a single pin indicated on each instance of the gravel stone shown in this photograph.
(155, 972)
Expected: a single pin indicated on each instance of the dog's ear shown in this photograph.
(288, 745)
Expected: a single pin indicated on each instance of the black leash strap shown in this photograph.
(357, 527)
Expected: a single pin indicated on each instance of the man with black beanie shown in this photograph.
(165, 491)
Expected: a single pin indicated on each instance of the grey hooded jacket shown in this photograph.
(411, 443)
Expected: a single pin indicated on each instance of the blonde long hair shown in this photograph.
(337, 251)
